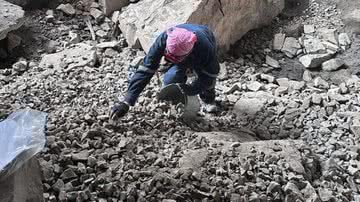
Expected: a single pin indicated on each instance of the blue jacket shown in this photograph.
(203, 61)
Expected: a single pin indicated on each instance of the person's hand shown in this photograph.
(119, 110)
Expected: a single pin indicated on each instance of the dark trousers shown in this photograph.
(205, 85)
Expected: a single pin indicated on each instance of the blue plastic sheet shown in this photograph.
(22, 136)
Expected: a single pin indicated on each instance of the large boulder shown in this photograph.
(11, 18)
(141, 23)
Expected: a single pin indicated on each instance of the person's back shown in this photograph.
(185, 46)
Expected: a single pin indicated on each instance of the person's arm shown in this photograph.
(145, 71)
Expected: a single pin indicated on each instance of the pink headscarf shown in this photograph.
(180, 41)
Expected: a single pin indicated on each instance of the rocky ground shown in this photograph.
(285, 133)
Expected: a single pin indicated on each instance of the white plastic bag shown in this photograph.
(22, 136)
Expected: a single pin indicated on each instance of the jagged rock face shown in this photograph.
(229, 19)
(11, 18)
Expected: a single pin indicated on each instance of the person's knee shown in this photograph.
(169, 78)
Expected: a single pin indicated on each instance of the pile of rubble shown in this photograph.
(285, 140)
(314, 49)
(11, 18)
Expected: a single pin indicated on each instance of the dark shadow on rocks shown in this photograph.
(295, 7)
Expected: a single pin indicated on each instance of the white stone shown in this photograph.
(330, 46)
(297, 85)
(67, 8)
(96, 13)
(254, 86)
(50, 12)
(101, 33)
(248, 106)
(316, 99)
(279, 40)
(115, 16)
(307, 76)
(344, 39)
(74, 37)
(267, 77)
(283, 82)
(272, 62)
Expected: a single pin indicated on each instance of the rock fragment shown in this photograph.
(50, 15)
(309, 29)
(332, 65)
(272, 62)
(328, 35)
(254, 86)
(325, 194)
(267, 77)
(307, 76)
(279, 40)
(291, 47)
(314, 60)
(314, 46)
(67, 9)
(109, 44)
(249, 106)
(316, 99)
(352, 20)
(74, 37)
(81, 156)
(321, 83)
(97, 14)
(344, 40)
(20, 66)
(193, 159)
